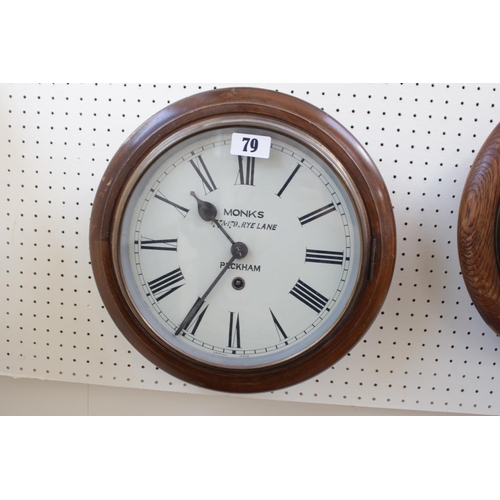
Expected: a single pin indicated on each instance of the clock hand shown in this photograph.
(199, 303)
(239, 251)
(208, 213)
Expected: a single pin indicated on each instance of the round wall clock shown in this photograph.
(479, 231)
(242, 240)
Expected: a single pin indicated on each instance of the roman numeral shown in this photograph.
(234, 341)
(162, 245)
(279, 328)
(196, 316)
(163, 286)
(198, 321)
(202, 170)
(183, 211)
(309, 296)
(246, 174)
(306, 219)
(282, 190)
(324, 257)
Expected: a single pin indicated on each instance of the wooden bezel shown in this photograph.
(478, 227)
(379, 261)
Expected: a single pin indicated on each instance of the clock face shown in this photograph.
(292, 208)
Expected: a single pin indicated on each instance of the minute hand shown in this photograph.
(199, 303)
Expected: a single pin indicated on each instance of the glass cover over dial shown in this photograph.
(240, 246)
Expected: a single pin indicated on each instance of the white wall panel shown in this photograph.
(429, 348)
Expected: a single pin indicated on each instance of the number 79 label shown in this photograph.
(254, 146)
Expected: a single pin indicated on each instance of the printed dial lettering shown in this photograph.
(309, 296)
(306, 219)
(162, 245)
(279, 328)
(183, 211)
(324, 257)
(234, 340)
(162, 287)
(246, 173)
(294, 173)
(205, 176)
(201, 309)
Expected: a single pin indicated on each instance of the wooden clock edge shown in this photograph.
(476, 231)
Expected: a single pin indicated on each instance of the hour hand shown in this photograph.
(208, 212)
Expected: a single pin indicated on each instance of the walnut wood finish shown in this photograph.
(377, 272)
(478, 231)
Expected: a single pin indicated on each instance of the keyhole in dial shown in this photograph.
(238, 284)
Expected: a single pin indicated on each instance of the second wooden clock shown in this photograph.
(479, 231)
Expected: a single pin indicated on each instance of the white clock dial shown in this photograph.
(285, 205)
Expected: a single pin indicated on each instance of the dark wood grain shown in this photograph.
(477, 230)
(380, 244)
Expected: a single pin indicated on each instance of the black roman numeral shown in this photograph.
(183, 211)
(246, 174)
(324, 257)
(162, 245)
(194, 314)
(164, 285)
(294, 173)
(202, 170)
(234, 341)
(198, 321)
(279, 328)
(306, 219)
(198, 317)
(309, 296)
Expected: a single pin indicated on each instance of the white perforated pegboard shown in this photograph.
(428, 350)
